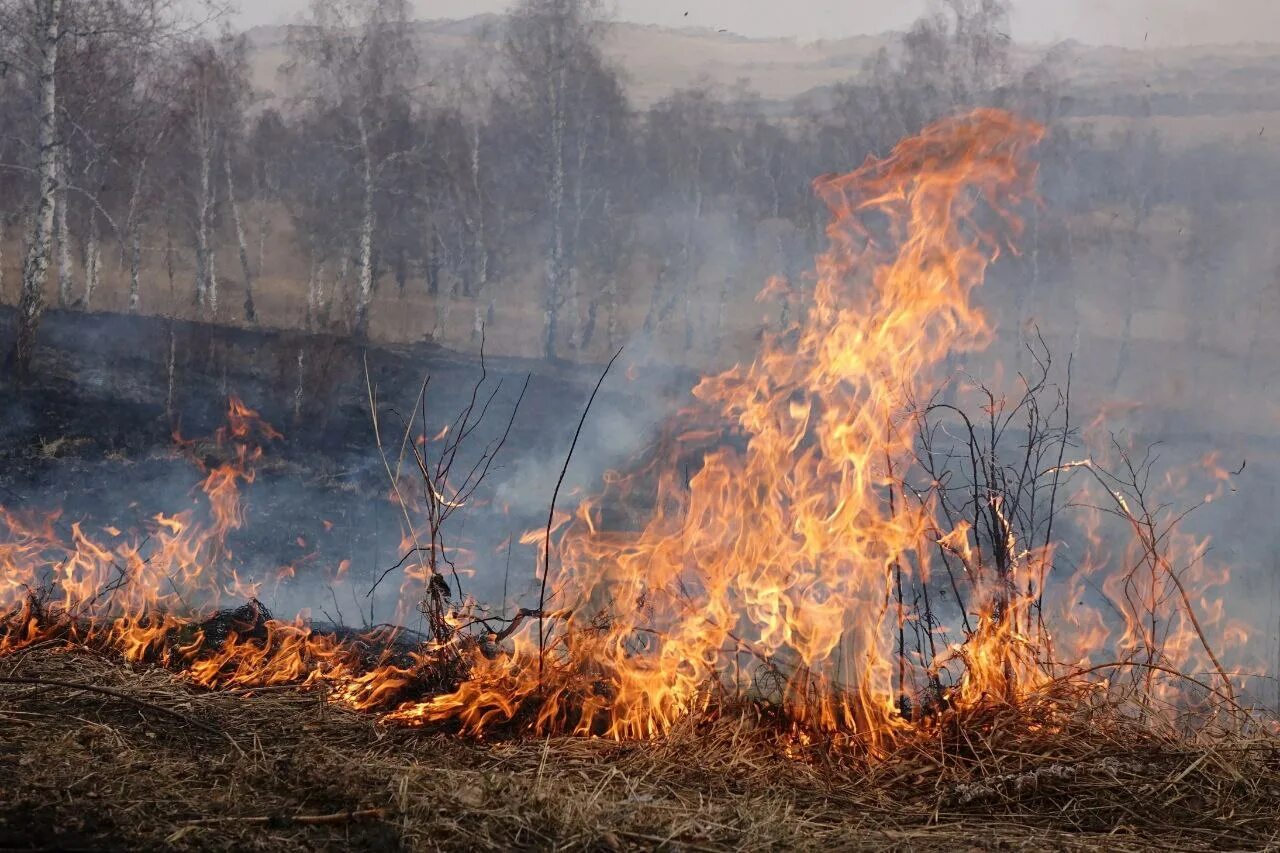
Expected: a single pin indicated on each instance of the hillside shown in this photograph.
(1177, 81)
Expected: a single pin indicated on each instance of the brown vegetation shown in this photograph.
(290, 772)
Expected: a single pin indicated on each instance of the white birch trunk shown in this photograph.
(66, 272)
(298, 391)
(169, 266)
(134, 228)
(313, 293)
(484, 303)
(250, 314)
(173, 357)
(339, 287)
(211, 294)
(364, 288)
(206, 282)
(444, 307)
(92, 260)
(135, 269)
(555, 206)
(202, 239)
(35, 265)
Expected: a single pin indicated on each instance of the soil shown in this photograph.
(166, 766)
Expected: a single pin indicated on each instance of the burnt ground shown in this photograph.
(92, 433)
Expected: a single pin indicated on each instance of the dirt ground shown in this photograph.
(143, 761)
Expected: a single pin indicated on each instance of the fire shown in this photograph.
(784, 548)
(779, 570)
(779, 567)
(144, 599)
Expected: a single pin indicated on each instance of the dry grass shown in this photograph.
(284, 770)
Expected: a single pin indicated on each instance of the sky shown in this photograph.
(1130, 23)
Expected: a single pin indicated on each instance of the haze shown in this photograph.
(1128, 23)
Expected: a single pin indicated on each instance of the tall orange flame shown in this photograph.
(783, 547)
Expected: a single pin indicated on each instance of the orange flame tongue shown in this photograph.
(783, 550)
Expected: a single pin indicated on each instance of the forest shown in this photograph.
(163, 182)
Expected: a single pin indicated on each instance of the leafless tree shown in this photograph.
(358, 65)
(208, 114)
(46, 41)
(42, 45)
(571, 104)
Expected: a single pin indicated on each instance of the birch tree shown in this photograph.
(207, 115)
(136, 219)
(36, 38)
(269, 141)
(114, 93)
(570, 102)
(318, 193)
(471, 175)
(35, 264)
(66, 271)
(357, 65)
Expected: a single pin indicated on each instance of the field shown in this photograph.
(98, 754)
(912, 573)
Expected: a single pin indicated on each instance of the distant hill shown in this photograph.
(1211, 80)
(654, 60)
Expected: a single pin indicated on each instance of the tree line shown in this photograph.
(129, 125)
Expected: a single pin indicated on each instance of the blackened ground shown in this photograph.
(91, 433)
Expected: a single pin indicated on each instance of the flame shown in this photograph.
(148, 599)
(779, 566)
(762, 551)
(784, 548)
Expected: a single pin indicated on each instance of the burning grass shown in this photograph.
(848, 624)
(282, 769)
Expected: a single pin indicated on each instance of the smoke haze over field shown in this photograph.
(1126, 23)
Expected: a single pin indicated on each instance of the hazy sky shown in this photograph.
(1125, 22)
